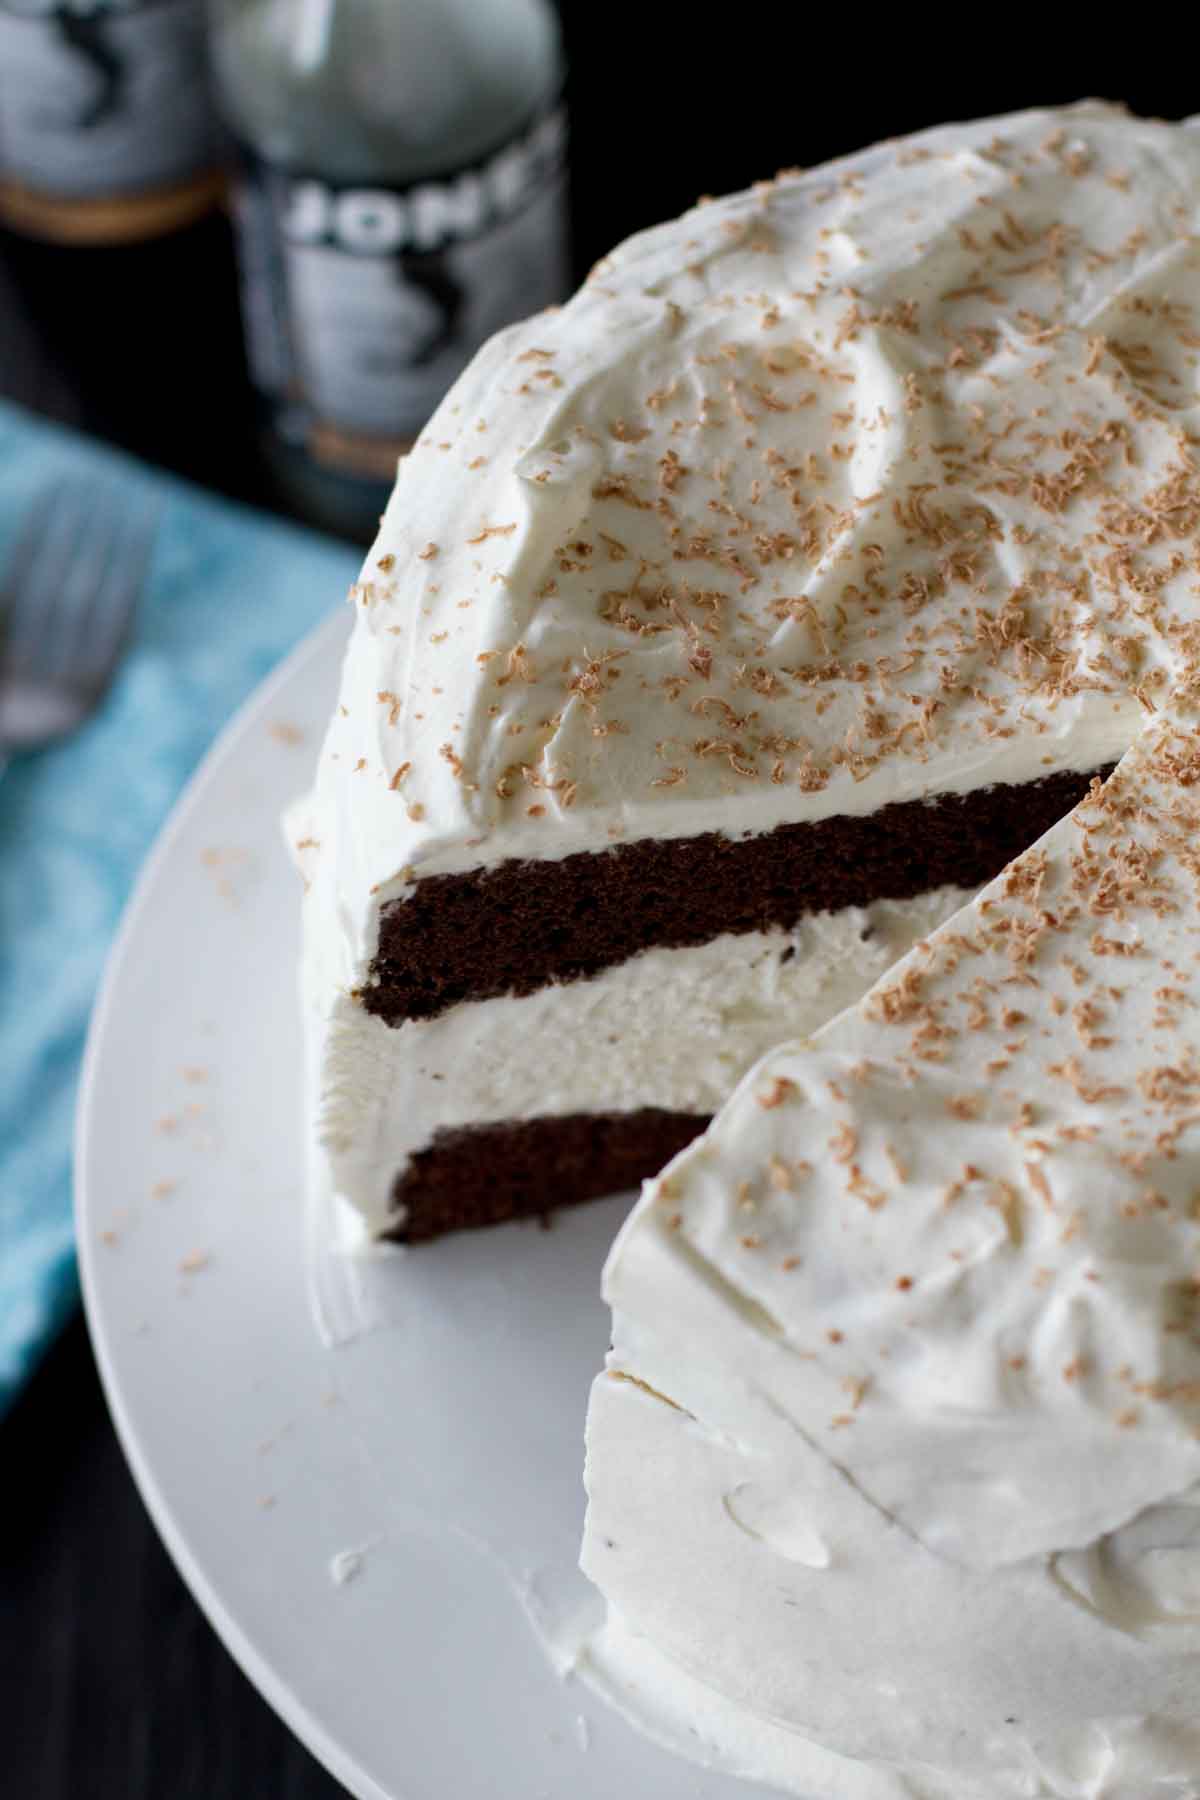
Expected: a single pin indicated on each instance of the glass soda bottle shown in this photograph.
(402, 195)
(107, 133)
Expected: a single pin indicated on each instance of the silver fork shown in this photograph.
(67, 598)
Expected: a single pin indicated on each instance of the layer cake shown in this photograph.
(725, 630)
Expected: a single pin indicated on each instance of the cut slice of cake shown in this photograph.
(723, 629)
(894, 1473)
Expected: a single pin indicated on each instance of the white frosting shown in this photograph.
(668, 1028)
(666, 1704)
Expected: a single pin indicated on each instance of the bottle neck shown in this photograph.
(383, 92)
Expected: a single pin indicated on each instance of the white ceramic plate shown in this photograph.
(384, 1534)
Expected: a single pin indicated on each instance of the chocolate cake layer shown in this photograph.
(513, 928)
(488, 1174)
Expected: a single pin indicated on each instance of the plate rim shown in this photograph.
(317, 641)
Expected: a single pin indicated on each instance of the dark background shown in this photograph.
(112, 1687)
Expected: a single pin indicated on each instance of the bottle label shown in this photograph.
(107, 131)
(362, 304)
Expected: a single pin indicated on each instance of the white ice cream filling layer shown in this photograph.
(667, 1028)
